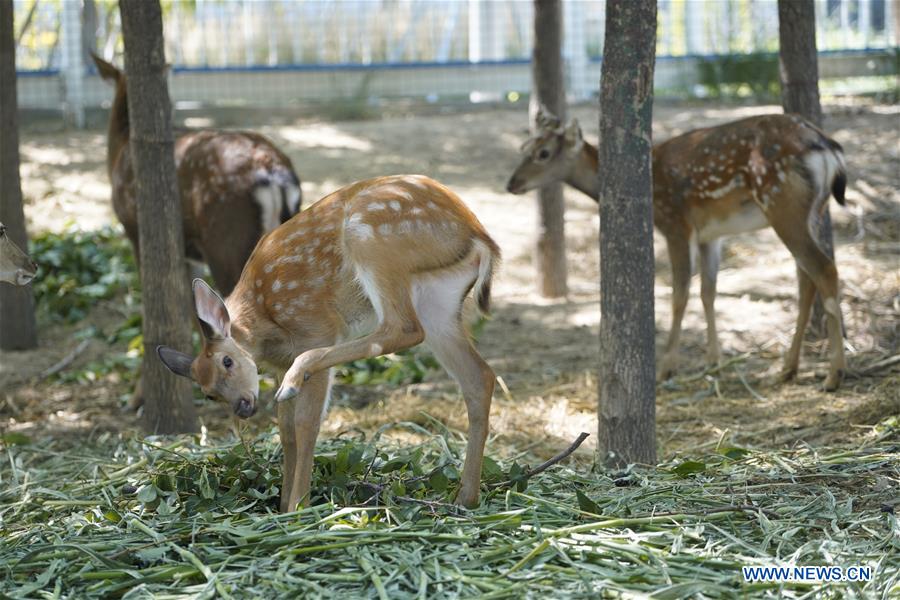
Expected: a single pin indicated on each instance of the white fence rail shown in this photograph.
(284, 52)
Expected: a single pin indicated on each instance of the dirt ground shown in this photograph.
(546, 352)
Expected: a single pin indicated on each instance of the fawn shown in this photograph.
(392, 257)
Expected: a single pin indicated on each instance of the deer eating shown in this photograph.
(771, 170)
(234, 187)
(16, 267)
(392, 258)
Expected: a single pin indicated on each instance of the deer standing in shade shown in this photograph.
(234, 185)
(16, 267)
(772, 170)
(393, 258)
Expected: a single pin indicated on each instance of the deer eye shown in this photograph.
(544, 154)
(227, 362)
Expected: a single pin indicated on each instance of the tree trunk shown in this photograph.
(800, 95)
(168, 407)
(627, 409)
(549, 90)
(17, 326)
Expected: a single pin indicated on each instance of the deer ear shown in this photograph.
(177, 362)
(573, 133)
(211, 312)
(107, 71)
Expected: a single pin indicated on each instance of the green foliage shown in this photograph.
(402, 368)
(107, 517)
(740, 75)
(78, 268)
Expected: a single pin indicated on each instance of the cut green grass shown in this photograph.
(173, 518)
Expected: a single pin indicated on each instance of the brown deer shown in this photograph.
(392, 256)
(234, 185)
(16, 267)
(771, 170)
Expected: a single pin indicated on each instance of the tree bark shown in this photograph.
(168, 406)
(17, 325)
(549, 90)
(800, 95)
(627, 403)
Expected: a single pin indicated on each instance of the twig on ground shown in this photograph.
(546, 465)
(66, 361)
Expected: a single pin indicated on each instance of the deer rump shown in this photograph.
(234, 186)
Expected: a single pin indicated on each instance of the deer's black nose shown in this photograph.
(246, 408)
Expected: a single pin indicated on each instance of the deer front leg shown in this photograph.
(390, 336)
(680, 257)
(302, 418)
(710, 254)
(289, 448)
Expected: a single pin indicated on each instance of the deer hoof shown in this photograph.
(834, 380)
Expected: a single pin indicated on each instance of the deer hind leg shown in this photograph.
(398, 329)
(289, 448)
(710, 254)
(806, 294)
(680, 257)
(792, 228)
(438, 303)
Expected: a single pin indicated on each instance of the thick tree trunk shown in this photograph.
(549, 90)
(168, 407)
(627, 409)
(17, 326)
(800, 94)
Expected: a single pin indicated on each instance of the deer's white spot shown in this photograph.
(395, 205)
(278, 307)
(375, 349)
(259, 299)
(269, 268)
(375, 207)
(729, 187)
(354, 227)
(385, 229)
(405, 227)
(258, 282)
(292, 285)
(276, 285)
(417, 210)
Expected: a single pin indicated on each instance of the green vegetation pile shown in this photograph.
(190, 516)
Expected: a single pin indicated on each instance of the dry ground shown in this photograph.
(545, 352)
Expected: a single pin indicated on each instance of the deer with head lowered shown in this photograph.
(393, 258)
(234, 185)
(771, 170)
(16, 267)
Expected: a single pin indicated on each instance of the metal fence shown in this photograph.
(288, 52)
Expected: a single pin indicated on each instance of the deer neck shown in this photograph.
(584, 175)
(118, 132)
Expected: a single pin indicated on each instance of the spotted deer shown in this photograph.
(771, 170)
(16, 267)
(393, 258)
(234, 187)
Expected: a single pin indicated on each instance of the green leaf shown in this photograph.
(14, 438)
(490, 469)
(733, 452)
(147, 494)
(586, 504)
(438, 481)
(206, 488)
(689, 467)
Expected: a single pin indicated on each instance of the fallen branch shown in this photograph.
(879, 365)
(546, 465)
(66, 361)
